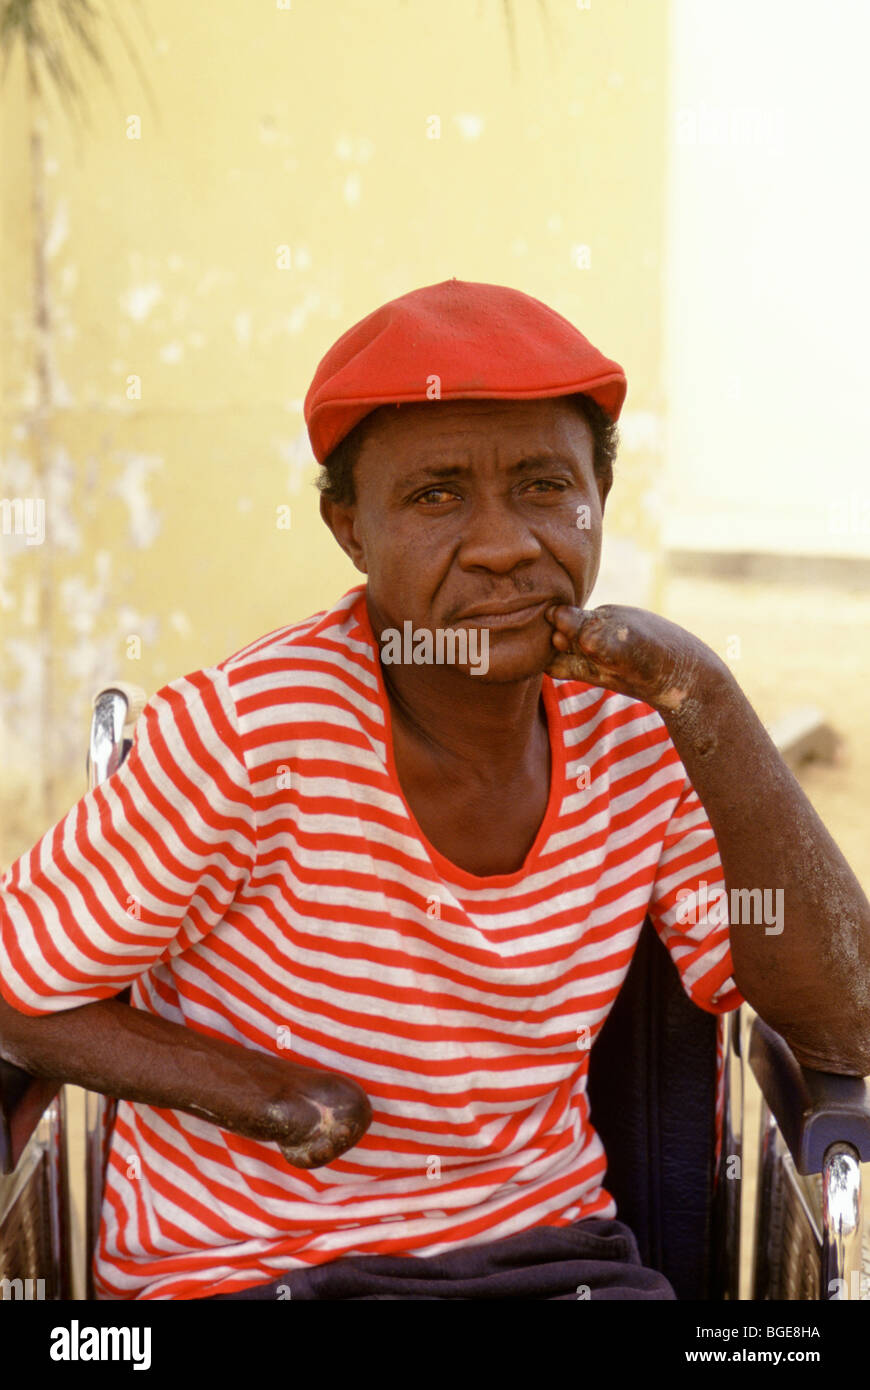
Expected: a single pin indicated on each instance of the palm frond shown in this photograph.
(510, 21)
(55, 36)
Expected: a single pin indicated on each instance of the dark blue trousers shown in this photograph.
(593, 1259)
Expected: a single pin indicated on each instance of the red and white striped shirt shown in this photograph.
(254, 871)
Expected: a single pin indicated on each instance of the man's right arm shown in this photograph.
(109, 1047)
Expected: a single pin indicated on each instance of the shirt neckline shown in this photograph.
(446, 868)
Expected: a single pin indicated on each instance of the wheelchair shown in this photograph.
(667, 1086)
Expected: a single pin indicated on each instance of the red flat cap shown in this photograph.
(452, 341)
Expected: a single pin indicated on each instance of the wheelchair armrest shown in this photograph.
(23, 1099)
(813, 1109)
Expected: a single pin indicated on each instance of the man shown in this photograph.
(374, 912)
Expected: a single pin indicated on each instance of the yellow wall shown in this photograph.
(304, 127)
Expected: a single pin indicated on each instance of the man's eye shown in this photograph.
(548, 483)
(436, 494)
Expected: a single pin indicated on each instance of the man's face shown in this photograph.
(476, 514)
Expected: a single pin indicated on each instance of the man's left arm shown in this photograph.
(811, 979)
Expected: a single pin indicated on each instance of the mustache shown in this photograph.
(498, 596)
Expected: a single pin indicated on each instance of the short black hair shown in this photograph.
(336, 475)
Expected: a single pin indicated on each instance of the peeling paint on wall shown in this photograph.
(130, 486)
(138, 301)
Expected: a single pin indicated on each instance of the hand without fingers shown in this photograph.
(337, 1115)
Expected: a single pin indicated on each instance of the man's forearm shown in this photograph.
(124, 1052)
(811, 980)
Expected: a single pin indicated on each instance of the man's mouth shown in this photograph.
(506, 615)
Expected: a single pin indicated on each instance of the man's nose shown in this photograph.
(496, 537)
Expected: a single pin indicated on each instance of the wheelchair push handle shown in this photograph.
(117, 706)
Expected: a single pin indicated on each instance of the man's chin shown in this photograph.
(514, 658)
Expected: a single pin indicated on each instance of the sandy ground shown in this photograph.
(798, 646)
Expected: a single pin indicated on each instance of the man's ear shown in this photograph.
(341, 520)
